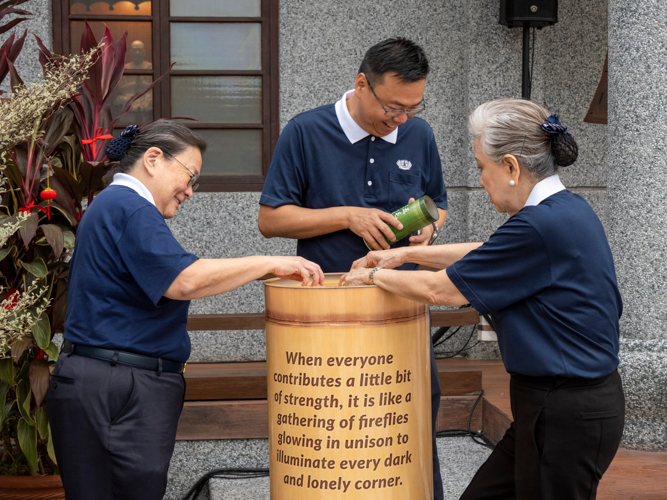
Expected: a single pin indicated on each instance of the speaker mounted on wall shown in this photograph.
(533, 13)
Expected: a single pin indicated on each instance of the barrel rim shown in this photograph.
(269, 282)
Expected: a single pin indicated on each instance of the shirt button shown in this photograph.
(372, 138)
(370, 183)
(372, 160)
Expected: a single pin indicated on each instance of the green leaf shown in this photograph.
(41, 330)
(7, 370)
(68, 237)
(39, 379)
(28, 228)
(54, 235)
(4, 252)
(28, 442)
(49, 447)
(18, 348)
(42, 422)
(52, 351)
(3, 402)
(37, 268)
(23, 395)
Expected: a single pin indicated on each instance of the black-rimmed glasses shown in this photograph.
(393, 113)
(193, 177)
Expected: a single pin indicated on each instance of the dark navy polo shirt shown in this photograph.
(547, 280)
(315, 166)
(125, 258)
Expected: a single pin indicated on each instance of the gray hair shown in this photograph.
(167, 135)
(514, 127)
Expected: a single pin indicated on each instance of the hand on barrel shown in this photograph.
(386, 258)
(298, 269)
(372, 225)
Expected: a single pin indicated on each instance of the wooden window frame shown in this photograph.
(162, 92)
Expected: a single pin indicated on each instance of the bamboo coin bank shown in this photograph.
(349, 393)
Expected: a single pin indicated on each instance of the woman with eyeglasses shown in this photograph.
(117, 390)
(546, 279)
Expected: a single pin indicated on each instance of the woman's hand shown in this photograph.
(356, 277)
(297, 269)
(385, 258)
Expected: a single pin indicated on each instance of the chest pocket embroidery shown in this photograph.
(404, 164)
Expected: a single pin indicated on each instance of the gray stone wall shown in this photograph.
(39, 23)
(637, 227)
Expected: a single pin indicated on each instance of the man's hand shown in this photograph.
(389, 259)
(297, 269)
(372, 225)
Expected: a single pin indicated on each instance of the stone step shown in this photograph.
(247, 381)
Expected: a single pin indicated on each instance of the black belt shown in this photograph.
(125, 358)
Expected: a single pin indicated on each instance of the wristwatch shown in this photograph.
(435, 234)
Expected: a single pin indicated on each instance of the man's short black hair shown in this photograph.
(395, 55)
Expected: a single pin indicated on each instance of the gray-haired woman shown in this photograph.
(546, 278)
(117, 390)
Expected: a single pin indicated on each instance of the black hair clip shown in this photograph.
(117, 148)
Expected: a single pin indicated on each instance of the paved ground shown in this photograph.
(459, 459)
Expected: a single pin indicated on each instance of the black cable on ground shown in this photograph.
(477, 436)
(197, 488)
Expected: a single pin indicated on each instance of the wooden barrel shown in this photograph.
(349, 393)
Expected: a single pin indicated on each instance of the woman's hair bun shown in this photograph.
(565, 149)
(117, 148)
(563, 146)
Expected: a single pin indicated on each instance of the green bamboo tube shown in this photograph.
(414, 216)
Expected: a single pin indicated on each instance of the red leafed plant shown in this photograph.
(94, 119)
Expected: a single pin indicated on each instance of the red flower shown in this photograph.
(12, 298)
(40, 355)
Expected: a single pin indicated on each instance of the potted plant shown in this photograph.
(52, 163)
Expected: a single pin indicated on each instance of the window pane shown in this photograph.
(214, 46)
(142, 109)
(215, 8)
(139, 41)
(217, 99)
(232, 152)
(124, 8)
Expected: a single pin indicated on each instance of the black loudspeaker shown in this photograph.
(534, 13)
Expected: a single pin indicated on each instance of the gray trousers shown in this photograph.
(114, 428)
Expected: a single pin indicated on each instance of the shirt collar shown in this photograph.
(353, 131)
(543, 189)
(133, 183)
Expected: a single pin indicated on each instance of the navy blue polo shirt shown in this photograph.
(547, 280)
(125, 258)
(316, 166)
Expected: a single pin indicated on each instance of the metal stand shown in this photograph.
(525, 85)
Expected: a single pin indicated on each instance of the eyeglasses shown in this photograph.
(193, 177)
(393, 113)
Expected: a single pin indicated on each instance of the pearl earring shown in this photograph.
(512, 182)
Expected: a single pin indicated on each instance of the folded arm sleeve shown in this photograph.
(286, 180)
(151, 253)
(511, 266)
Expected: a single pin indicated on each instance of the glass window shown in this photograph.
(216, 46)
(142, 109)
(139, 40)
(215, 8)
(217, 99)
(232, 152)
(123, 8)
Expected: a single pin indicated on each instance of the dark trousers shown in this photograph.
(438, 492)
(565, 434)
(114, 428)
